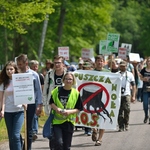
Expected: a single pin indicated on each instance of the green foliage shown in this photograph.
(17, 14)
(3, 131)
(74, 23)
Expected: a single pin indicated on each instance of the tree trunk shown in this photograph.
(45, 24)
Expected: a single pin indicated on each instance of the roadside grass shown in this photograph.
(3, 130)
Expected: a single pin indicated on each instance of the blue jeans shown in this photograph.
(14, 122)
(35, 124)
(146, 102)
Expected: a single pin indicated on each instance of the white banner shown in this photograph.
(23, 88)
(100, 93)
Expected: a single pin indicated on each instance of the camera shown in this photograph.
(122, 90)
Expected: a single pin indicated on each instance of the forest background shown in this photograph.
(38, 27)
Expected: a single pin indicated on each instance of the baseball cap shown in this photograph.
(123, 63)
(87, 64)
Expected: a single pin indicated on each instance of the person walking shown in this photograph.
(145, 77)
(124, 111)
(65, 102)
(47, 68)
(22, 63)
(87, 65)
(13, 114)
(52, 80)
(34, 65)
(99, 66)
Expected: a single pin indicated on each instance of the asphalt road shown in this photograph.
(137, 138)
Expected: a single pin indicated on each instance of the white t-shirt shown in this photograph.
(9, 99)
(127, 77)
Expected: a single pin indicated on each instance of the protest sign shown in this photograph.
(23, 88)
(127, 47)
(112, 42)
(134, 57)
(100, 94)
(122, 53)
(102, 47)
(64, 51)
(87, 53)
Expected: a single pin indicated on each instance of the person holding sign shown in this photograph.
(99, 66)
(65, 102)
(22, 63)
(13, 114)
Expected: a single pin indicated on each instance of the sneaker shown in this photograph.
(145, 119)
(89, 134)
(98, 143)
(121, 130)
(126, 127)
(34, 137)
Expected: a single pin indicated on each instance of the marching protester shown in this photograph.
(22, 63)
(48, 67)
(13, 114)
(99, 66)
(145, 77)
(66, 103)
(130, 67)
(87, 66)
(124, 111)
(112, 65)
(34, 65)
(53, 79)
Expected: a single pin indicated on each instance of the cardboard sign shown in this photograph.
(127, 47)
(87, 53)
(23, 88)
(122, 53)
(64, 51)
(113, 42)
(134, 57)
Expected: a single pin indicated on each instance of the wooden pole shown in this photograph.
(25, 128)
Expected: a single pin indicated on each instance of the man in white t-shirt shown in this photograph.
(127, 81)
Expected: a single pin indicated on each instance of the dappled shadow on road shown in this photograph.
(82, 145)
(41, 148)
(135, 124)
(82, 134)
(136, 110)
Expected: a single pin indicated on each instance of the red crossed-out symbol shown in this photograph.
(94, 94)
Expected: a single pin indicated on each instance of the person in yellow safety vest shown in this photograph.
(65, 102)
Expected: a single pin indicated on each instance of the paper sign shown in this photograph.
(112, 42)
(122, 53)
(134, 57)
(23, 88)
(87, 53)
(102, 47)
(64, 51)
(127, 47)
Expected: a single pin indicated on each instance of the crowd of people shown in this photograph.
(54, 89)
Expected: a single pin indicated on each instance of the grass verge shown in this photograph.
(3, 130)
